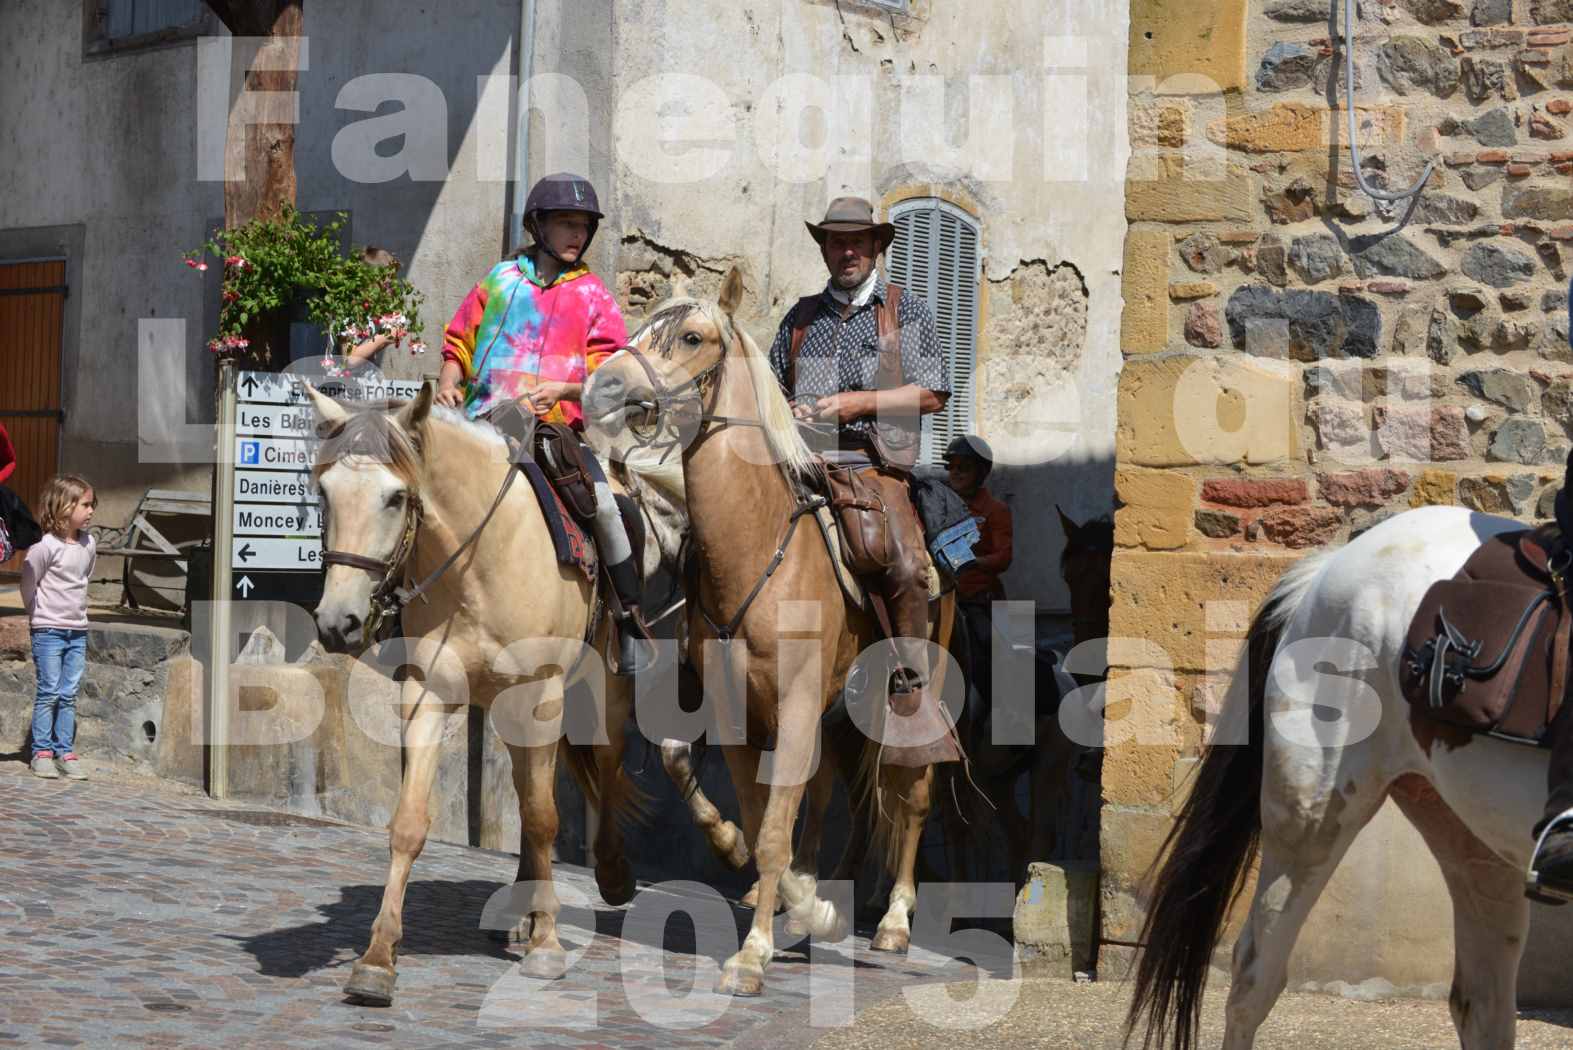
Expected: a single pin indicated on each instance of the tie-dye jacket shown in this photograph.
(510, 333)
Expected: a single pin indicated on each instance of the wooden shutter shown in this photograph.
(32, 318)
(935, 255)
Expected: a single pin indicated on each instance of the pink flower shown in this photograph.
(202, 266)
(191, 263)
(237, 261)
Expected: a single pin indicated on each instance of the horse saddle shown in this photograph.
(1487, 651)
(553, 459)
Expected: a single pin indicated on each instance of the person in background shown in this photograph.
(969, 461)
(55, 575)
(978, 586)
(367, 349)
(1552, 864)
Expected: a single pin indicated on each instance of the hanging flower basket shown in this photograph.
(272, 264)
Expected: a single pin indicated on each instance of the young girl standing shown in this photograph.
(54, 593)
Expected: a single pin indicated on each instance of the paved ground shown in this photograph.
(134, 914)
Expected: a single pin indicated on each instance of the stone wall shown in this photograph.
(1295, 371)
(120, 707)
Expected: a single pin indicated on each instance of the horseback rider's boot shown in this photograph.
(1551, 868)
(636, 649)
(920, 734)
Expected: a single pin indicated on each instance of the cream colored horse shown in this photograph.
(793, 650)
(500, 627)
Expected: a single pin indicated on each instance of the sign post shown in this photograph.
(219, 655)
(267, 514)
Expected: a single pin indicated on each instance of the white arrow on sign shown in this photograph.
(244, 586)
(267, 552)
(276, 388)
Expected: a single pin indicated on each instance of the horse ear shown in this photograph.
(414, 414)
(731, 292)
(1066, 523)
(327, 409)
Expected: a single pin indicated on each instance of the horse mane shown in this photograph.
(786, 444)
(372, 434)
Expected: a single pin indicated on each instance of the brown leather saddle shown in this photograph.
(558, 453)
(1487, 651)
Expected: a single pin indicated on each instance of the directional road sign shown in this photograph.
(277, 521)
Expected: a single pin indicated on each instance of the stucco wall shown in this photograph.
(1046, 189)
(109, 145)
(1353, 373)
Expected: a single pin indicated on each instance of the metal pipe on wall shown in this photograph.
(521, 154)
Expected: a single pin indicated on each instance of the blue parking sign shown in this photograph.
(250, 453)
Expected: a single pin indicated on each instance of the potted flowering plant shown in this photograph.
(273, 263)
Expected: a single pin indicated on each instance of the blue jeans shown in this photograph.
(59, 655)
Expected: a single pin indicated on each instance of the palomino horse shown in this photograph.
(1330, 737)
(794, 645)
(412, 492)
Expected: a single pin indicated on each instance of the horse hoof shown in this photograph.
(616, 882)
(794, 928)
(737, 855)
(741, 979)
(838, 930)
(371, 984)
(546, 964)
(890, 941)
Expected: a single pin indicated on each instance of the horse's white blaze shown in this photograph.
(358, 490)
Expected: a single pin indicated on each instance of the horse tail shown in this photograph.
(1207, 856)
(626, 802)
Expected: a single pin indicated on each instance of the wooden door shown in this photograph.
(32, 318)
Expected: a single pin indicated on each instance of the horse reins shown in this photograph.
(695, 387)
(388, 599)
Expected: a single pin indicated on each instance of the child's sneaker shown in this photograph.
(70, 767)
(44, 766)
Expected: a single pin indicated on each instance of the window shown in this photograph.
(117, 25)
(935, 255)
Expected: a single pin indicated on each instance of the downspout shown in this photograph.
(521, 153)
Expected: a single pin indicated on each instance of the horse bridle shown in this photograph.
(388, 599)
(386, 602)
(694, 387)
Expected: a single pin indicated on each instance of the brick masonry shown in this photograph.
(1295, 371)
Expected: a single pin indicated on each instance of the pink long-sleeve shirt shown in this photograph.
(54, 581)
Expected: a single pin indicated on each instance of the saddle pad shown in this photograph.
(571, 543)
(1487, 650)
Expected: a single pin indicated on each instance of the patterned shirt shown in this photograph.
(511, 333)
(843, 354)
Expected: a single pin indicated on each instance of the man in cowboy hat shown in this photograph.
(862, 361)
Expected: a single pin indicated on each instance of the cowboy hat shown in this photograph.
(852, 215)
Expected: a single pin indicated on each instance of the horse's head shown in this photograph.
(369, 474)
(1086, 565)
(654, 390)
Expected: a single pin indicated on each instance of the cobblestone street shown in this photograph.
(136, 915)
(133, 913)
